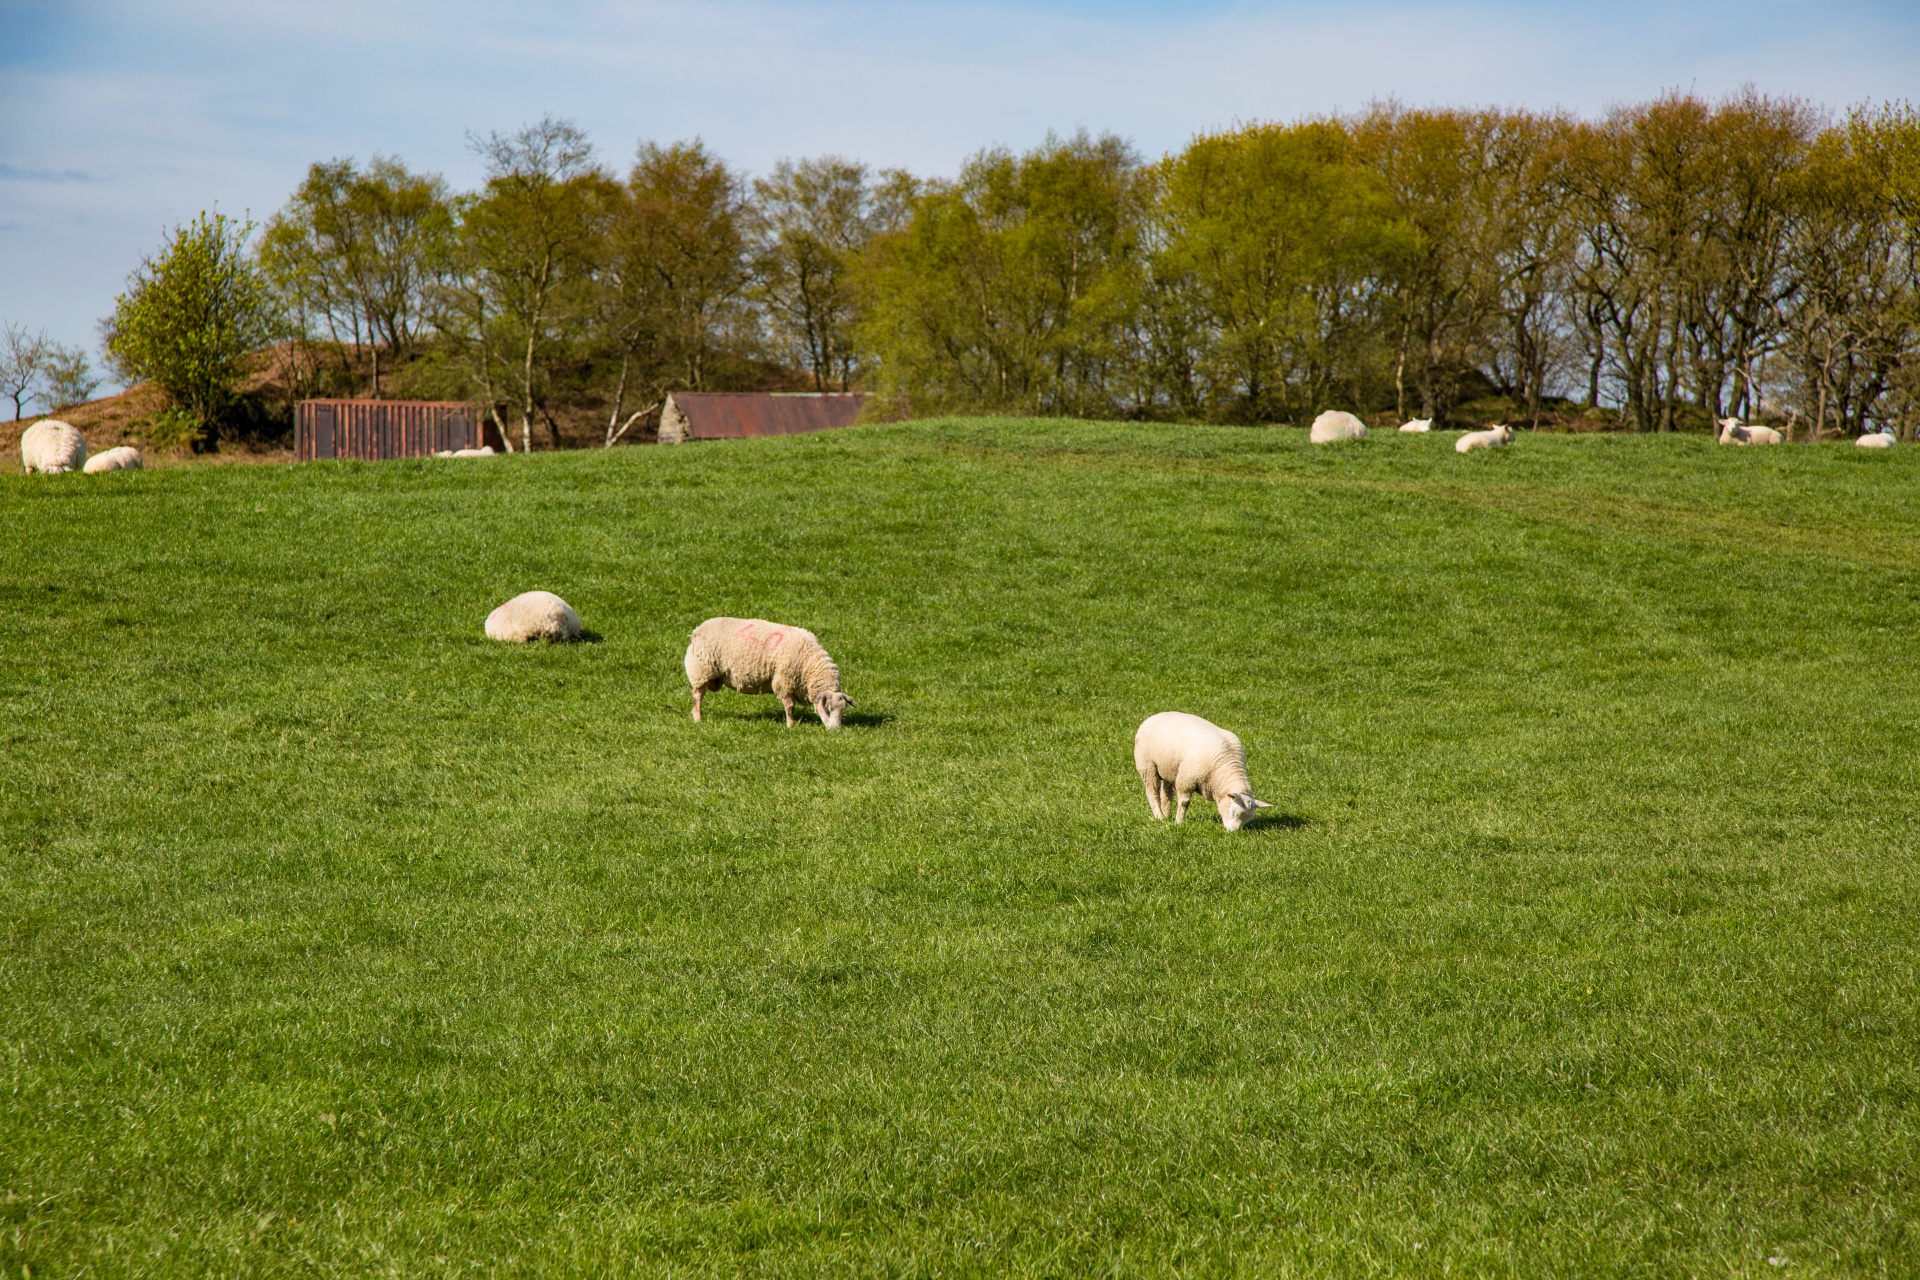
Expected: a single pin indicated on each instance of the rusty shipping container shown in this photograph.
(729, 415)
(372, 430)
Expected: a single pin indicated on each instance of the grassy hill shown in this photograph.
(1582, 939)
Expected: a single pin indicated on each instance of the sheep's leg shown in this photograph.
(1151, 781)
(1186, 798)
(786, 700)
(697, 693)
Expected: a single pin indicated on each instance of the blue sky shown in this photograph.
(119, 119)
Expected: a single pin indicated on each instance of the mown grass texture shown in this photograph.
(1582, 940)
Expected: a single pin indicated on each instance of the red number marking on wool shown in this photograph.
(773, 641)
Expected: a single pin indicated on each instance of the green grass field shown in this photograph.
(1582, 940)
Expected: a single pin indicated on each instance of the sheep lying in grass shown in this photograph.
(1336, 424)
(484, 451)
(1178, 754)
(1732, 431)
(1491, 438)
(123, 458)
(1418, 424)
(534, 615)
(51, 447)
(752, 655)
(1881, 439)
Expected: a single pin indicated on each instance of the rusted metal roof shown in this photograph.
(730, 415)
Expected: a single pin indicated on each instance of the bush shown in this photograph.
(189, 318)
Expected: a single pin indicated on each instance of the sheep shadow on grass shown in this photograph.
(848, 719)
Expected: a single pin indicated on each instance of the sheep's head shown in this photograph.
(1236, 809)
(830, 705)
(1503, 433)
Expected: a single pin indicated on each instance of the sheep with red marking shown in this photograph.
(752, 655)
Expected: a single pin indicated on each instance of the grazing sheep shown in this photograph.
(1491, 438)
(1733, 432)
(123, 458)
(1418, 424)
(1178, 754)
(1881, 439)
(535, 615)
(50, 446)
(1336, 424)
(752, 655)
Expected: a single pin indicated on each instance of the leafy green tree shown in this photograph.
(813, 220)
(1011, 287)
(531, 244)
(1852, 251)
(191, 315)
(1281, 244)
(68, 375)
(1438, 169)
(358, 251)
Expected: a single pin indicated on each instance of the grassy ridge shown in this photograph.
(337, 940)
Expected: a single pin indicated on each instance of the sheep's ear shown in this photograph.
(847, 700)
(1259, 804)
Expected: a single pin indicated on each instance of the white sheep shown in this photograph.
(534, 615)
(123, 458)
(1418, 424)
(50, 446)
(1493, 437)
(1178, 754)
(1881, 439)
(1732, 431)
(1336, 424)
(484, 451)
(752, 655)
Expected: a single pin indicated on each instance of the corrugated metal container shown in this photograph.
(729, 415)
(376, 429)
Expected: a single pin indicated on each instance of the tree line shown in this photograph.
(1660, 267)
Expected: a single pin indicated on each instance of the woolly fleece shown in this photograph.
(1488, 439)
(1334, 425)
(536, 615)
(752, 655)
(51, 446)
(123, 458)
(1177, 755)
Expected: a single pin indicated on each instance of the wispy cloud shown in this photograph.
(15, 173)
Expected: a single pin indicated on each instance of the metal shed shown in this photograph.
(730, 415)
(377, 429)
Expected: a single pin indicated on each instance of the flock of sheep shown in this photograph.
(1335, 425)
(1178, 756)
(51, 447)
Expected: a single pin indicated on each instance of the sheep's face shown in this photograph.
(830, 705)
(1236, 809)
